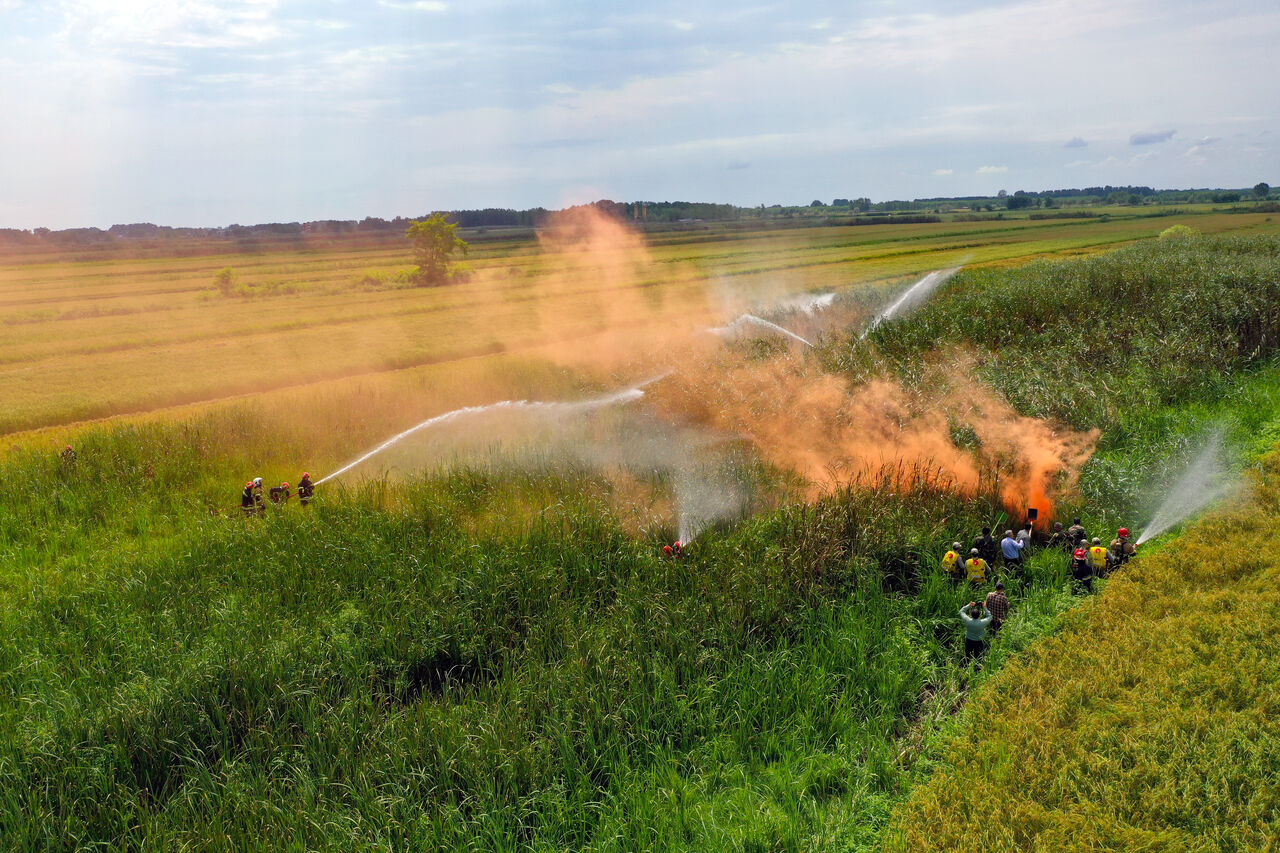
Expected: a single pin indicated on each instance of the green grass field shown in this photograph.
(496, 655)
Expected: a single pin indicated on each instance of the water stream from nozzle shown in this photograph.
(911, 298)
(752, 319)
(806, 303)
(560, 409)
(1200, 486)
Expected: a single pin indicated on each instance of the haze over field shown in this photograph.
(216, 111)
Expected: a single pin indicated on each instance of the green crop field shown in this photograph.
(490, 651)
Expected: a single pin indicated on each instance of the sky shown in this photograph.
(209, 112)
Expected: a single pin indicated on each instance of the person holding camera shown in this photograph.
(976, 617)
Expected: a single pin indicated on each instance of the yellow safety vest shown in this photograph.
(951, 563)
(1098, 556)
(977, 568)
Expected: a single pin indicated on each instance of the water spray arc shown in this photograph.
(911, 298)
(753, 320)
(808, 303)
(1200, 486)
(626, 395)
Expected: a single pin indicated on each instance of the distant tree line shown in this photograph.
(640, 212)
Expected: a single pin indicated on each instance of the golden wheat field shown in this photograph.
(1148, 723)
(86, 339)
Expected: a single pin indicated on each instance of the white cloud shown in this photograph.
(167, 24)
(1152, 138)
(416, 5)
(528, 91)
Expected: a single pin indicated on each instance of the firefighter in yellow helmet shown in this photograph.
(976, 568)
(1099, 558)
(951, 562)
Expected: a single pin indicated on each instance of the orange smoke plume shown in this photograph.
(797, 416)
(803, 419)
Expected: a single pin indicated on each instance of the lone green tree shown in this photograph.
(225, 280)
(1262, 189)
(434, 239)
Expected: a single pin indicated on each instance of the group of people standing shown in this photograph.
(985, 554)
(252, 502)
(1088, 559)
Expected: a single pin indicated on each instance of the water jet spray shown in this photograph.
(808, 303)
(626, 395)
(1198, 487)
(911, 298)
(753, 320)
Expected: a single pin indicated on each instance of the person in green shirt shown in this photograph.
(976, 617)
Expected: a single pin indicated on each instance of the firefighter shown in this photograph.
(68, 455)
(1099, 559)
(987, 546)
(976, 568)
(280, 494)
(1122, 550)
(1080, 569)
(305, 489)
(250, 499)
(1075, 533)
(1058, 539)
(951, 562)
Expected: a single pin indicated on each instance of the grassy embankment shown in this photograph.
(373, 673)
(1151, 721)
(1147, 722)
